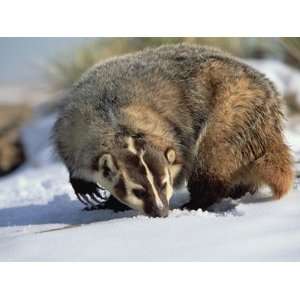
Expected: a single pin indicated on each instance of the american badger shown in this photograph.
(142, 124)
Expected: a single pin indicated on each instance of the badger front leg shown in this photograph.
(205, 190)
(92, 196)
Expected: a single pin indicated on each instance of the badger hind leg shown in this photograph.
(275, 170)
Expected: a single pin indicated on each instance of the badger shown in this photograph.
(142, 125)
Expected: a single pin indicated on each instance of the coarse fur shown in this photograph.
(219, 119)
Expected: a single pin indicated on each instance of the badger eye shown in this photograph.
(139, 193)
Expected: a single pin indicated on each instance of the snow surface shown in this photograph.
(41, 220)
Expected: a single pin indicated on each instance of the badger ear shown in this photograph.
(170, 155)
(108, 166)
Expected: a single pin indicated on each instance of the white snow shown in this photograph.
(41, 220)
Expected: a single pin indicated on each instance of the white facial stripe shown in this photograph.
(151, 181)
(131, 146)
(175, 170)
(169, 190)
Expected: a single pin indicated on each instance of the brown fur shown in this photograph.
(243, 135)
(222, 118)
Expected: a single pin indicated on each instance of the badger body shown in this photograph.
(173, 114)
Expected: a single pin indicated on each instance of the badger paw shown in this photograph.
(89, 193)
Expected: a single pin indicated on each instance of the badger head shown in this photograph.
(139, 175)
(138, 172)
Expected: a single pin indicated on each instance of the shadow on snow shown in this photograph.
(63, 210)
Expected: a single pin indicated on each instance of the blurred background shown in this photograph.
(36, 72)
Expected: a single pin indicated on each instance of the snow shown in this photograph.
(41, 220)
(41, 202)
(37, 140)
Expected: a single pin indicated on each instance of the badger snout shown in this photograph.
(156, 212)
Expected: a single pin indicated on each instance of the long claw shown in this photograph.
(86, 198)
(99, 194)
(93, 196)
(81, 200)
(90, 194)
(86, 202)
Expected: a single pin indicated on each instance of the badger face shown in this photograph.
(140, 178)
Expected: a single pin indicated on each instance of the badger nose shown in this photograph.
(160, 213)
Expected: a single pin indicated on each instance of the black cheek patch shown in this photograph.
(148, 208)
(132, 160)
(120, 189)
